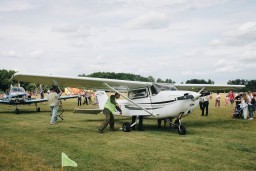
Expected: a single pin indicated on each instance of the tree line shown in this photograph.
(5, 83)
(126, 76)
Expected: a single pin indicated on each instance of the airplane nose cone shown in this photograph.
(196, 95)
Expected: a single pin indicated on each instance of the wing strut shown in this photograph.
(201, 90)
(129, 99)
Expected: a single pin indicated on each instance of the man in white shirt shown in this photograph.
(53, 100)
(205, 104)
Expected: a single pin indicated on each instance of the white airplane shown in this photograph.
(18, 96)
(147, 99)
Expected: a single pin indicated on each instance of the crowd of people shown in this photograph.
(245, 104)
(242, 103)
(87, 98)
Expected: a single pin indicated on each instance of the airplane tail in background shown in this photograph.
(101, 98)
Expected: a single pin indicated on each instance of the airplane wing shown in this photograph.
(34, 100)
(195, 87)
(68, 97)
(100, 83)
(26, 101)
(86, 82)
(30, 101)
(4, 101)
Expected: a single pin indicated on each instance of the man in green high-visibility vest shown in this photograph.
(110, 107)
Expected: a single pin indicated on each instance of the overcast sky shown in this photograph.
(167, 39)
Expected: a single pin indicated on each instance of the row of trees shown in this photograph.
(197, 81)
(126, 76)
(5, 83)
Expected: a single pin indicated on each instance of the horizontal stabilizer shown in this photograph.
(88, 111)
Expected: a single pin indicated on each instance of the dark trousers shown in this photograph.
(109, 120)
(205, 106)
(140, 127)
(86, 101)
(201, 105)
(79, 101)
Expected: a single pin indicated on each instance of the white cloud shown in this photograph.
(9, 54)
(228, 69)
(178, 40)
(36, 53)
(66, 28)
(16, 5)
(151, 20)
(243, 34)
(247, 27)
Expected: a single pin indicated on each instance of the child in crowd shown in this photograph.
(226, 100)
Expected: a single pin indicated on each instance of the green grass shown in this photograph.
(216, 142)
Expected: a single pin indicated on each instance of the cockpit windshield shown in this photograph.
(17, 89)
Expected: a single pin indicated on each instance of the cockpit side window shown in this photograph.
(153, 90)
(167, 87)
(138, 93)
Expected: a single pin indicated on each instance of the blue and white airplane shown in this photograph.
(18, 96)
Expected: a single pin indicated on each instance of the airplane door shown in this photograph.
(141, 96)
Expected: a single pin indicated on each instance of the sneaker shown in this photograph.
(250, 119)
(100, 130)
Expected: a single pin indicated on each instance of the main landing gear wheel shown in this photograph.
(38, 109)
(126, 127)
(17, 111)
(181, 130)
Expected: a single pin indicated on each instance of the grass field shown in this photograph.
(216, 142)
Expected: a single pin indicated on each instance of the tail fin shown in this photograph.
(101, 98)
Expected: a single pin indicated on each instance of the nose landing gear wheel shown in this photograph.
(181, 130)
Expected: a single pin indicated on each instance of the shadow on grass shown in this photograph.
(213, 122)
(22, 112)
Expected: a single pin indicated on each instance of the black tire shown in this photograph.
(38, 109)
(126, 127)
(182, 130)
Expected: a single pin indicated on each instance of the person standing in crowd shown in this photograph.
(226, 100)
(205, 104)
(231, 97)
(79, 100)
(217, 100)
(201, 103)
(244, 105)
(110, 107)
(87, 98)
(250, 105)
(53, 100)
(238, 99)
(253, 102)
(41, 93)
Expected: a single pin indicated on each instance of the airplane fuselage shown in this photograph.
(17, 95)
(161, 104)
